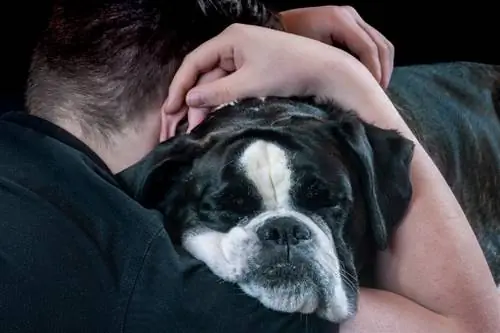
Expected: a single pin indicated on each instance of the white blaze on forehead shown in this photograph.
(266, 166)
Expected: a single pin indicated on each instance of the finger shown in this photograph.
(356, 39)
(163, 127)
(216, 52)
(196, 117)
(213, 75)
(385, 52)
(238, 85)
(361, 44)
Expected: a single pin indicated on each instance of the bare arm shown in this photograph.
(434, 274)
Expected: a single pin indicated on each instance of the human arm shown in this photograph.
(434, 262)
(332, 25)
(435, 276)
(343, 26)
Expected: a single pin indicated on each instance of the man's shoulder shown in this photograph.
(73, 241)
(45, 178)
(82, 256)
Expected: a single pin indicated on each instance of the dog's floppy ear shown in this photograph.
(382, 158)
(150, 180)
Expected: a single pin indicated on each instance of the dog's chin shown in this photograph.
(293, 280)
(296, 298)
(283, 286)
(297, 287)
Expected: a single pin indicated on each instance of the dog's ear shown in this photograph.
(151, 179)
(382, 158)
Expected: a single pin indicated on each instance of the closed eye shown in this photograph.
(233, 200)
(314, 195)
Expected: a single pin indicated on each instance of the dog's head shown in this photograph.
(282, 197)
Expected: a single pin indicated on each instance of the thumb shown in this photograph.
(235, 86)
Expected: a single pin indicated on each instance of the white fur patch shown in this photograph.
(222, 252)
(225, 104)
(266, 165)
(262, 99)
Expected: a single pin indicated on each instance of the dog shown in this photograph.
(291, 198)
(284, 197)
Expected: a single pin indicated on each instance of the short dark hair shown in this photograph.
(105, 63)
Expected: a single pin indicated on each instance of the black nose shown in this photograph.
(284, 231)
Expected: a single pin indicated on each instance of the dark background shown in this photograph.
(424, 33)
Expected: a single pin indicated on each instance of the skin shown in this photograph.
(343, 25)
(434, 277)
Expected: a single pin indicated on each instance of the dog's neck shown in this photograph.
(121, 150)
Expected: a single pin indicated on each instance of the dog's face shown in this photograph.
(270, 217)
(282, 197)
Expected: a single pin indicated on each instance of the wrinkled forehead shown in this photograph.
(271, 165)
(259, 112)
(271, 140)
(275, 168)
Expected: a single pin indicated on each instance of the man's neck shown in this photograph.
(123, 149)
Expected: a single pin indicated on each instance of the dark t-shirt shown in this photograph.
(77, 254)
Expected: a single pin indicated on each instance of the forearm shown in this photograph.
(434, 261)
(384, 312)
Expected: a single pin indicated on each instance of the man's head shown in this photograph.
(105, 65)
(285, 198)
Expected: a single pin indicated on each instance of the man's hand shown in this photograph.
(250, 61)
(342, 25)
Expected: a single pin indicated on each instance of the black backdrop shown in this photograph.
(421, 33)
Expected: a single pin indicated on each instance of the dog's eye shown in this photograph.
(235, 200)
(317, 194)
(313, 195)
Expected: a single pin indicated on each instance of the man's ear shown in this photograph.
(383, 160)
(150, 180)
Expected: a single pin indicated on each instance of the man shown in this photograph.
(77, 254)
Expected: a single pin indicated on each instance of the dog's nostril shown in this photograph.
(301, 233)
(284, 231)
